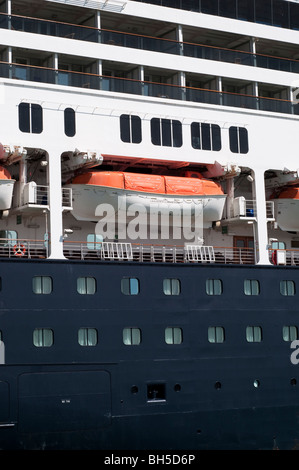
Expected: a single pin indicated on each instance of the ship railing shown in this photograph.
(143, 42)
(23, 248)
(144, 88)
(284, 257)
(39, 194)
(157, 253)
(247, 208)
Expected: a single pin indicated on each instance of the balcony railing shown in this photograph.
(149, 43)
(145, 88)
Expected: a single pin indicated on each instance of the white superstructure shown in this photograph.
(133, 86)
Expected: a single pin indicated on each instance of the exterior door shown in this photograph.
(244, 250)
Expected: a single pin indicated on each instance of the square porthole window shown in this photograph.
(43, 337)
(171, 286)
(216, 334)
(251, 287)
(42, 285)
(86, 285)
(289, 333)
(87, 336)
(287, 287)
(214, 286)
(254, 334)
(131, 336)
(173, 335)
(130, 286)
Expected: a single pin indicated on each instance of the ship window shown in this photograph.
(216, 334)
(263, 12)
(251, 287)
(209, 6)
(131, 336)
(42, 284)
(166, 132)
(254, 334)
(156, 392)
(238, 139)
(43, 337)
(30, 118)
(69, 122)
(171, 286)
(87, 336)
(227, 8)
(278, 245)
(130, 286)
(287, 287)
(245, 10)
(86, 285)
(213, 286)
(10, 235)
(205, 136)
(94, 242)
(130, 129)
(173, 335)
(289, 333)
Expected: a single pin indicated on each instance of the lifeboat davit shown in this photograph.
(287, 209)
(6, 189)
(155, 193)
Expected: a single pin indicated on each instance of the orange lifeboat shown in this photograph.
(6, 189)
(153, 192)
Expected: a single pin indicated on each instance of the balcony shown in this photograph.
(148, 43)
(145, 88)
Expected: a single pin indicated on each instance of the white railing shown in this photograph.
(247, 208)
(23, 248)
(37, 194)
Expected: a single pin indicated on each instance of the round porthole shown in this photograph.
(256, 383)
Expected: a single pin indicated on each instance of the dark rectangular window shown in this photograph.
(281, 13)
(24, 117)
(30, 118)
(245, 10)
(294, 16)
(263, 13)
(238, 139)
(130, 128)
(69, 122)
(228, 8)
(166, 132)
(209, 6)
(205, 136)
(36, 118)
(155, 131)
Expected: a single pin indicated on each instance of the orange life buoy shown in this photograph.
(19, 250)
(274, 257)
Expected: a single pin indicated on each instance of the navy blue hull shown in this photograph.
(196, 394)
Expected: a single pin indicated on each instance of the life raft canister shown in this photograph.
(19, 250)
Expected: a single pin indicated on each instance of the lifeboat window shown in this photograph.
(171, 286)
(254, 334)
(42, 285)
(238, 139)
(251, 287)
(69, 122)
(213, 286)
(43, 337)
(130, 128)
(86, 285)
(289, 333)
(30, 118)
(173, 335)
(131, 336)
(130, 286)
(287, 287)
(216, 334)
(166, 132)
(87, 336)
(205, 136)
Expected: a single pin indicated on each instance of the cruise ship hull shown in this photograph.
(193, 395)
